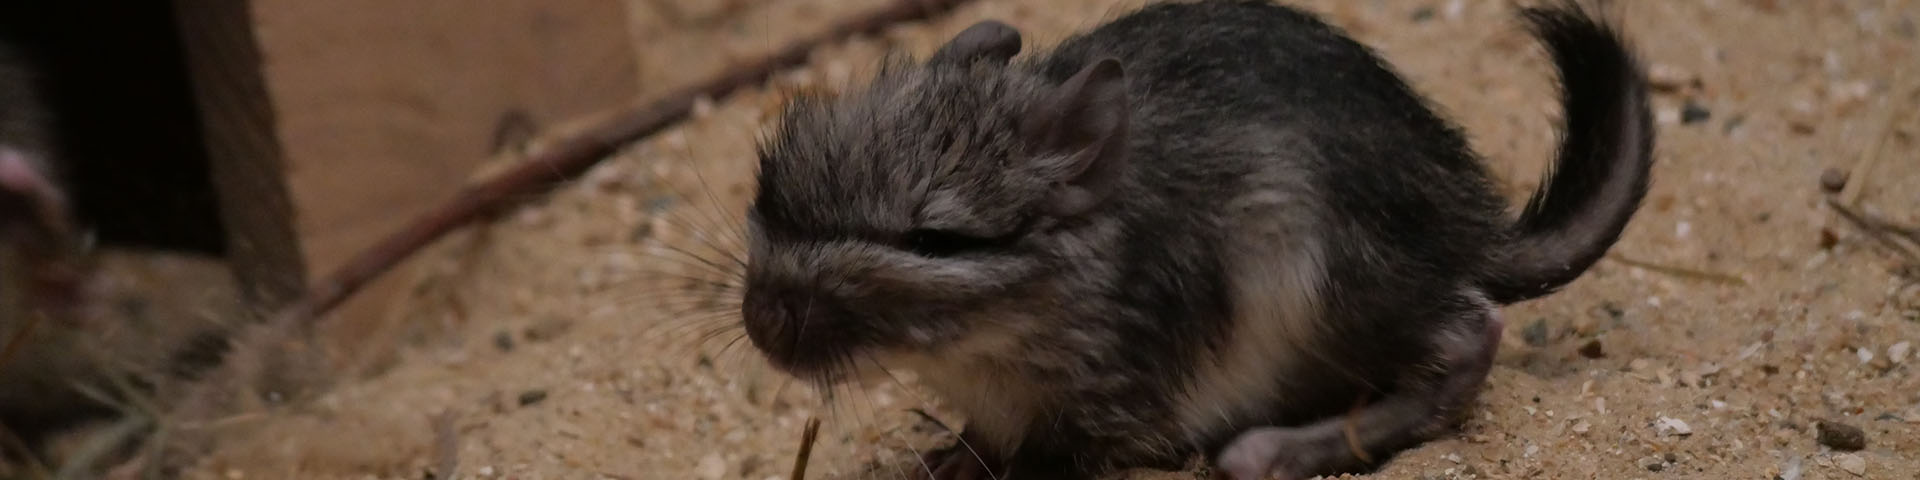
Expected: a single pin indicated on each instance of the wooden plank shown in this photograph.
(243, 150)
(384, 108)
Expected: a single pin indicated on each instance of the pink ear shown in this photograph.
(28, 197)
(1079, 133)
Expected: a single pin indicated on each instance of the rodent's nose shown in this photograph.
(794, 329)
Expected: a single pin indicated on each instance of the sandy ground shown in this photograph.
(1718, 334)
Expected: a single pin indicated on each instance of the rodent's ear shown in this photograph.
(1079, 133)
(988, 40)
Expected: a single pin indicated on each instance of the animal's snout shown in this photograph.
(796, 330)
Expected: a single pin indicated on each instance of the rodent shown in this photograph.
(116, 321)
(1215, 227)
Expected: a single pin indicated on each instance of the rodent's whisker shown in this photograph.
(714, 267)
(922, 401)
(678, 329)
(719, 220)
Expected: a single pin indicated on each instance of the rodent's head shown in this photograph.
(886, 218)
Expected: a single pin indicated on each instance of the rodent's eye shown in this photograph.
(940, 243)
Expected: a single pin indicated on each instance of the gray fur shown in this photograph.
(1265, 228)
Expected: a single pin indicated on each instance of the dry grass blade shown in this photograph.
(1902, 239)
(1682, 272)
(446, 445)
(806, 449)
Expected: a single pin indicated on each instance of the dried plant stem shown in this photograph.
(1682, 272)
(806, 449)
(1902, 239)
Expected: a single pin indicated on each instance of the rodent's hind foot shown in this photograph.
(1372, 433)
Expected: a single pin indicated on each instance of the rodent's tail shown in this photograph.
(1597, 182)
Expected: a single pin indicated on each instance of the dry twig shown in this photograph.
(1902, 239)
(806, 449)
(1683, 272)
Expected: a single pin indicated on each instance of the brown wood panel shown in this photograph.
(386, 107)
(243, 150)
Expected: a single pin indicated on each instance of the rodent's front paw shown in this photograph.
(1268, 453)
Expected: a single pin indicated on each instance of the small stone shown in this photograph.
(531, 397)
(711, 467)
(1673, 426)
(1865, 355)
(1666, 116)
(1692, 112)
(1851, 463)
(1535, 333)
(503, 340)
(1668, 78)
(1651, 463)
(1898, 352)
(1828, 239)
(1840, 436)
(1592, 349)
(1833, 180)
(1692, 378)
(1582, 427)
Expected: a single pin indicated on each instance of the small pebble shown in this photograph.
(1668, 78)
(1840, 436)
(1666, 116)
(531, 397)
(1792, 470)
(1535, 333)
(1898, 352)
(1828, 239)
(1833, 180)
(1692, 112)
(1651, 463)
(1851, 463)
(503, 340)
(1674, 426)
(1592, 349)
